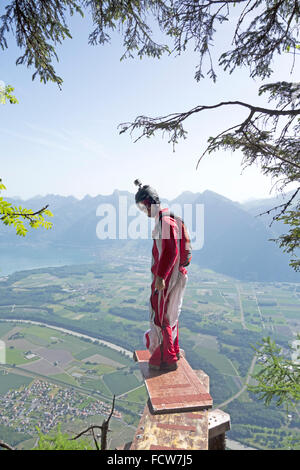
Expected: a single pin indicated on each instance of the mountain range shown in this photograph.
(234, 241)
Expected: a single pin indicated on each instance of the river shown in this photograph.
(71, 332)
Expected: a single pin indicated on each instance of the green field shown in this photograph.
(219, 361)
(139, 395)
(98, 385)
(121, 382)
(4, 328)
(12, 436)
(12, 381)
(105, 351)
(112, 304)
(35, 331)
(16, 356)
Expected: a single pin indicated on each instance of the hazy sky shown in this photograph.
(67, 141)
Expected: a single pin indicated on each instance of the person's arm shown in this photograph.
(169, 251)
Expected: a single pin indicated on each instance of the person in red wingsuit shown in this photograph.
(171, 253)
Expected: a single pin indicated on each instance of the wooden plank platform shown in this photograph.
(218, 423)
(172, 431)
(190, 430)
(185, 430)
(173, 391)
(180, 431)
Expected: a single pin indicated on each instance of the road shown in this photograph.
(244, 387)
(259, 310)
(241, 308)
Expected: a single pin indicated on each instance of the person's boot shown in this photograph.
(180, 354)
(168, 366)
(153, 366)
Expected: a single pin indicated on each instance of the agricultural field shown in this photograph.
(61, 361)
(10, 381)
(222, 319)
(48, 352)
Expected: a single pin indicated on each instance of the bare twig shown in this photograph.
(104, 430)
(93, 426)
(95, 440)
(6, 446)
(105, 427)
(284, 205)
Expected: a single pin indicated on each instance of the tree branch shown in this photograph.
(26, 216)
(284, 205)
(176, 118)
(105, 427)
(104, 430)
(93, 426)
(95, 440)
(254, 109)
(268, 149)
(172, 123)
(6, 446)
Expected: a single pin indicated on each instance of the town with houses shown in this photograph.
(44, 405)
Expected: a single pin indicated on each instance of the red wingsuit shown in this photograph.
(165, 306)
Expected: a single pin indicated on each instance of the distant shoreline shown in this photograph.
(72, 332)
